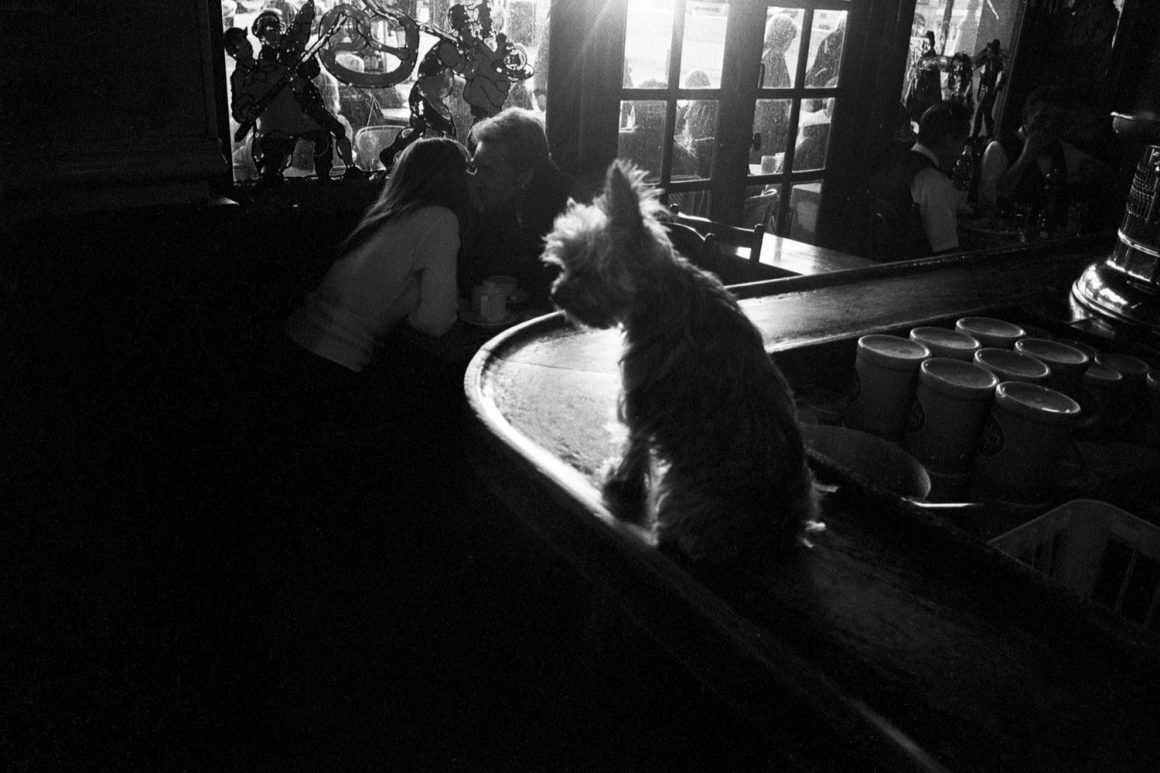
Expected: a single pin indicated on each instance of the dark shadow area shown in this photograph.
(199, 575)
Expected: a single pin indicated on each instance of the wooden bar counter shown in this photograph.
(899, 640)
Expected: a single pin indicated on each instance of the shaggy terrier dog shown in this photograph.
(711, 420)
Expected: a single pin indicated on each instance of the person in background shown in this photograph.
(359, 106)
(342, 150)
(992, 79)
(914, 196)
(697, 119)
(959, 81)
(828, 58)
(697, 125)
(399, 264)
(643, 142)
(519, 96)
(926, 80)
(1037, 170)
(771, 116)
(517, 191)
(814, 136)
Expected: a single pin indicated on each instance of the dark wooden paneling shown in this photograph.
(109, 94)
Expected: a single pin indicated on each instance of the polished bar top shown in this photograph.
(905, 639)
(780, 256)
(804, 259)
(811, 309)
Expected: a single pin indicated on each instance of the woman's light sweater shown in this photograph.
(405, 270)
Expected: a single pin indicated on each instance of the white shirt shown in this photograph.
(405, 270)
(938, 201)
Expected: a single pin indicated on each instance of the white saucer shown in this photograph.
(471, 318)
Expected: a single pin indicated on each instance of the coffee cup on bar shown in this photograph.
(1066, 362)
(508, 284)
(991, 332)
(886, 367)
(1023, 441)
(946, 343)
(946, 418)
(1103, 400)
(489, 302)
(1010, 365)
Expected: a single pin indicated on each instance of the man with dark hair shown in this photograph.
(992, 79)
(913, 200)
(926, 87)
(517, 191)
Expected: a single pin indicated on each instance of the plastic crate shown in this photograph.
(1097, 550)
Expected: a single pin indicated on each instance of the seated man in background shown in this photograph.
(914, 202)
(1037, 169)
(517, 191)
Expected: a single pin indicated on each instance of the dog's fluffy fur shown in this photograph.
(704, 403)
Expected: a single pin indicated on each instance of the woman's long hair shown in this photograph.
(428, 172)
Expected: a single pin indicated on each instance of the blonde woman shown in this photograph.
(400, 262)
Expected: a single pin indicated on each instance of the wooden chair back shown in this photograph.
(699, 249)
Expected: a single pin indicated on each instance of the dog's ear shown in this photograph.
(622, 198)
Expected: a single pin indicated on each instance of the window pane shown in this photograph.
(696, 129)
(703, 47)
(650, 34)
(813, 137)
(771, 121)
(761, 207)
(642, 139)
(803, 211)
(827, 38)
(692, 203)
(697, 119)
(779, 55)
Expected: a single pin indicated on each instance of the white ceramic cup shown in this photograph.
(490, 302)
(1135, 373)
(886, 367)
(1104, 399)
(1066, 362)
(1010, 365)
(946, 417)
(1023, 439)
(506, 283)
(946, 343)
(989, 331)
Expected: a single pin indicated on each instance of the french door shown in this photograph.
(729, 105)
